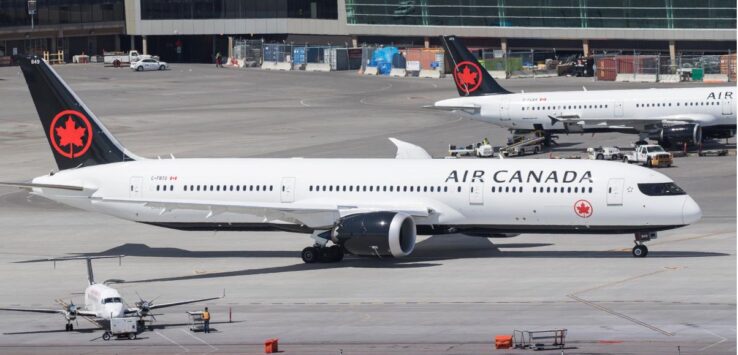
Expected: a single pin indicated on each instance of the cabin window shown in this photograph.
(493, 189)
(458, 189)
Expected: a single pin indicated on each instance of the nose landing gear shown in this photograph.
(640, 250)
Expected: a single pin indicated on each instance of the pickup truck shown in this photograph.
(604, 153)
(118, 58)
(651, 155)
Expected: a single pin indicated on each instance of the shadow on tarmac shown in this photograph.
(428, 253)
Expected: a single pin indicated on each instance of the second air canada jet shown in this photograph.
(371, 207)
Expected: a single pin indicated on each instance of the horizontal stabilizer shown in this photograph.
(30, 185)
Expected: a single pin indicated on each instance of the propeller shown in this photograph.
(144, 306)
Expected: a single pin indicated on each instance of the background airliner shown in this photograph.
(102, 302)
(681, 115)
(372, 207)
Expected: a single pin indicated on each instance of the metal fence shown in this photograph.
(660, 68)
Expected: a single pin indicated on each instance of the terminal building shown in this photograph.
(193, 30)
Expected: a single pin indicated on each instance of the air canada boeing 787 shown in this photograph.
(370, 207)
(675, 115)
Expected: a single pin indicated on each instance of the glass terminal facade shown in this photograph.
(60, 12)
(237, 9)
(711, 14)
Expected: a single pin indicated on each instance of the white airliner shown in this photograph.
(682, 115)
(361, 206)
(102, 302)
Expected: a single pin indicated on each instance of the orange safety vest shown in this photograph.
(206, 315)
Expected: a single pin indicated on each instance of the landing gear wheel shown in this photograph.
(106, 336)
(310, 255)
(640, 251)
(336, 253)
(66, 327)
(71, 327)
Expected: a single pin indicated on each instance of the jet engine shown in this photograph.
(685, 133)
(376, 234)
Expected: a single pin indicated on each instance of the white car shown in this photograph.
(149, 64)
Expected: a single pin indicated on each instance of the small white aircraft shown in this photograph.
(681, 115)
(103, 302)
(372, 207)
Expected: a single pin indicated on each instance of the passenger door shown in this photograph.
(287, 192)
(615, 192)
(618, 109)
(135, 188)
(476, 193)
(727, 108)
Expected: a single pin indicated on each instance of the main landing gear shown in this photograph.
(319, 252)
(640, 250)
(69, 327)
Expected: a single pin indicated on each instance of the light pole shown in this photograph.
(31, 10)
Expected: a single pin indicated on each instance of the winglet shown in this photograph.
(407, 150)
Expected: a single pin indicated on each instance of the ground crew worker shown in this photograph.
(206, 321)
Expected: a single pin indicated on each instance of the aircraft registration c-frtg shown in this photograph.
(370, 207)
(670, 116)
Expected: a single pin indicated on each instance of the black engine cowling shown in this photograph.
(376, 233)
(684, 133)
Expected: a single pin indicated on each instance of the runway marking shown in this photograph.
(574, 296)
(171, 341)
(623, 281)
(690, 238)
(200, 340)
(620, 315)
(302, 102)
(722, 340)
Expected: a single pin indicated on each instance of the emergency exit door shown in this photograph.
(476, 193)
(135, 189)
(287, 192)
(615, 192)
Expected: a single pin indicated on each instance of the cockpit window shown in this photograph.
(661, 189)
(112, 300)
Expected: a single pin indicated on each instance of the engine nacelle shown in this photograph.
(376, 233)
(684, 133)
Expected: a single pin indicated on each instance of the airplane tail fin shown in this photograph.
(76, 137)
(470, 77)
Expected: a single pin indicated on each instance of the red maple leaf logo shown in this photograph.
(70, 133)
(583, 209)
(467, 77)
(70, 138)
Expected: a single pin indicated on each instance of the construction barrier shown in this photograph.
(430, 73)
(398, 73)
(371, 71)
(321, 67)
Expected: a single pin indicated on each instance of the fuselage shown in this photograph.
(713, 108)
(461, 195)
(104, 301)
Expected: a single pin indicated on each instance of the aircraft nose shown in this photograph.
(691, 211)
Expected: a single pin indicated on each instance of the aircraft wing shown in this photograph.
(35, 310)
(470, 109)
(178, 303)
(636, 123)
(313, 214)
(81, 313)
